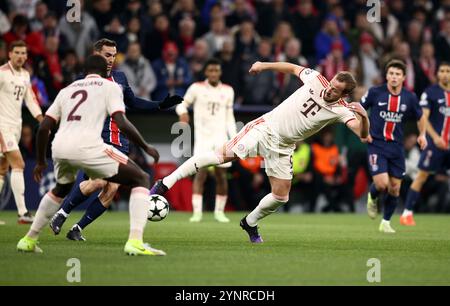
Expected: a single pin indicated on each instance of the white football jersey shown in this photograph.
(305, 112)
(15, 87)
(213, 111)
(82, 108)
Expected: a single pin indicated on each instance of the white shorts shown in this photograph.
(9, 139)
(257, 139)
(202, 146)
(105, 165)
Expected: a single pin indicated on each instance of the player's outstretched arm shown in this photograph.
(361, 126)
(133, 134)
(283, 67)
(43, 133)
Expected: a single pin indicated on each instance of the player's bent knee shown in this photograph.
(62, 190)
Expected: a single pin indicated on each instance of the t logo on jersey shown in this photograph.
(311, 107)
(18, 91)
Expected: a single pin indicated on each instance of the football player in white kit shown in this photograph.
(15, 87)
(273, 136)
(214, 124)
(81, 108)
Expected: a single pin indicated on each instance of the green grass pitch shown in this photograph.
(299, 249)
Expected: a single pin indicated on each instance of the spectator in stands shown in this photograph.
(290, 83)
(38, 87)
(139, 72)
(172, 73)
(426, 68)
(415, 37)
(20, 30)
(361, 26)
(246, 40)
(216, 35)
(115, 31)
(80, 35)
(329, 36)
(71, 67)
(48, 67)
(388, 26)
(186, 37)
(270, 13)
(185, 9)
(134, 31)
(242, 11)
(5, 26)
(155, 40)
(331, 174)
(306, 24)
(135, 10)
(403, 52)
(283, 32)
(102, 14)
(365, 65)
(231, 72)
(334, 61)
(442, 42)
(41, 11)
(259, 89)
(198, 59)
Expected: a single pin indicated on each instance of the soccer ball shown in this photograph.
(159, 208)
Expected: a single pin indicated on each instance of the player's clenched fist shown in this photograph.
(152, 152)
(256, 68)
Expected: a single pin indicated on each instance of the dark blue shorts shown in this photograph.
(434, 160)
(386, 157)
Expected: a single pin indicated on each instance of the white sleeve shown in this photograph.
(31, 102)
(308, 75)
(54, 111)
(346, 115)
(114, 99)
(188, 100)
(231, 122)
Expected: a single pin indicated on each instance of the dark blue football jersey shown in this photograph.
(437, 100)
(388, 112)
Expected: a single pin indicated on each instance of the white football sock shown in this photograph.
(268, 205)
(18, 189)
(221, 200)
(191, 166)
(139, 207)
(407, 212)
(47, 208)
(197, 203)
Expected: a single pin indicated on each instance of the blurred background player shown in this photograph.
(104, 194)
(15, 87)
(81, 108)
(274, 135)
(435, 102)
(214, 124)
(389, 106)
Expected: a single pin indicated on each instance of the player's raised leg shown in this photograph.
(47, 208)
(197, 195)
(221, 194)
(192, 166)
(390, 204)
(268, 205)
(411, 198)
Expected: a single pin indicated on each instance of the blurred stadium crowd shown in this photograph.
(163, 46)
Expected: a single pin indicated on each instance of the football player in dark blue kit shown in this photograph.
(390, 105)
(435, 101)
(100, 193)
